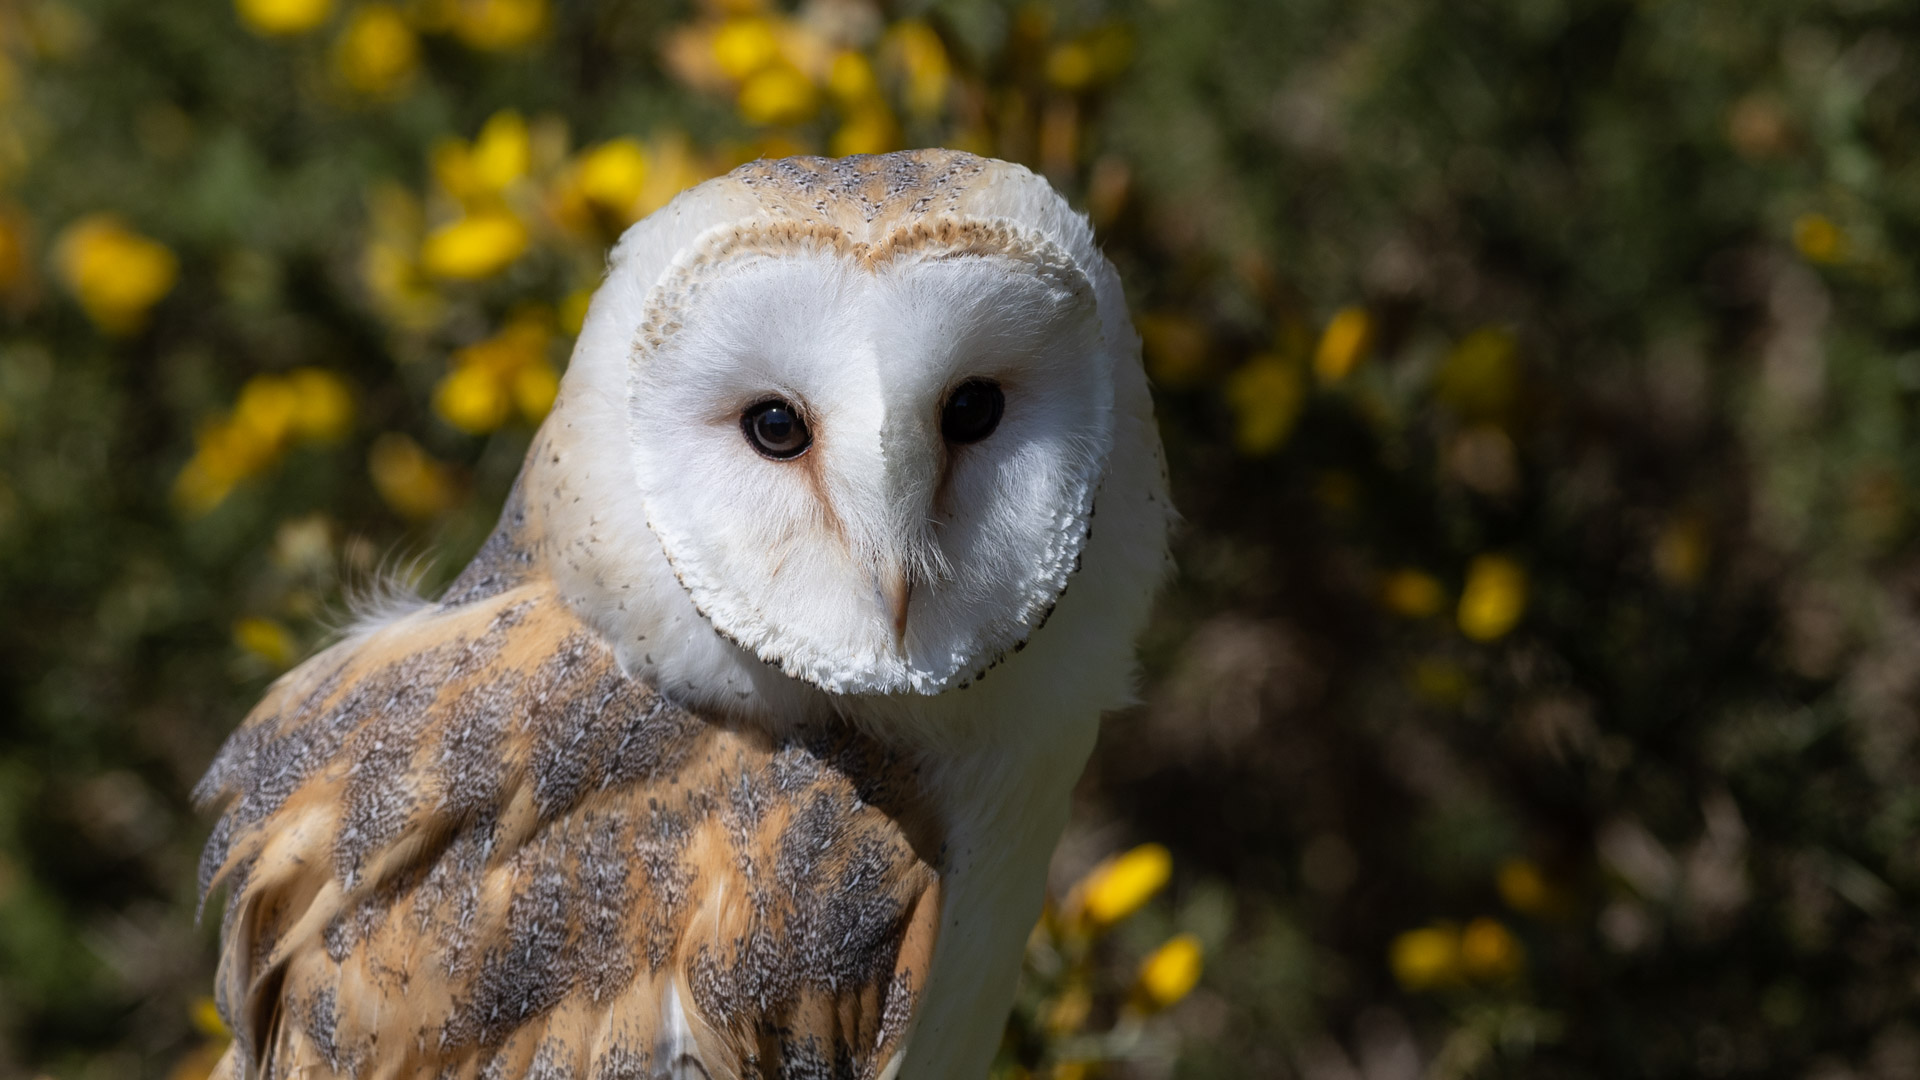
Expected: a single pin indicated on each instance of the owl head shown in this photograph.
(859, 415)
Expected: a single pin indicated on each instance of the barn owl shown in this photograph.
(740, 748)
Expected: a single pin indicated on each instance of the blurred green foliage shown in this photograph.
(1541, 694)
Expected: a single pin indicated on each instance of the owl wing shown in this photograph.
(465, 844)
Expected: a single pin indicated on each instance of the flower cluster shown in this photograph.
(1071, 1016)
(376, 51)
(272, 414)
(116, 274)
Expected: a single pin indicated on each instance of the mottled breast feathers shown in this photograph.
(465, 844)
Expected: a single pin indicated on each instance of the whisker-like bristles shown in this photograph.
(386, 594)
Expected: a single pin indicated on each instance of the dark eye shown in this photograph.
(776, 430)
(972, 411)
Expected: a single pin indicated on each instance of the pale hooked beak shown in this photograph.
(896, 589)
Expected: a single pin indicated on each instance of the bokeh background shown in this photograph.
(1540, 695)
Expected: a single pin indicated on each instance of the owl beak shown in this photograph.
(896, 589)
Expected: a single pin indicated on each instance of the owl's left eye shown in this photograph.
(972, 411)
(776, 430)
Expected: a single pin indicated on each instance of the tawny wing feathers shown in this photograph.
(466, 845)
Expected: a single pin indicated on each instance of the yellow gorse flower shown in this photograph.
(1817, 238)
(1415, 594)
(1680, 551)
(1426, 958)
(378, 51)
(1265, 395)
(282, 18)
(502, 152)
(1342, 344)
(1070, 65)
(1119, 886)
(494, 378)
(477, 246)
(1445, 955)
(477, 174)
(116, 274)
(745, 45)
(778, 95)
(265, 639)
(498, 24)
(205, 1015)
(410, 481)
(851, 80)
(1494, 597)
(921, 59)
(612, 176)
(1175, 345)
(272, 413)
(1171, 971)
(869, 129)
(1489, 952)
(1526, 889)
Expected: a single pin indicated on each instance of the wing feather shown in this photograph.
(465, 844)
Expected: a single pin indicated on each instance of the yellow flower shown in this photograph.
(206, 1018)
(1171, 971)
(612, 175)
(672, 168)
(1412, 593)
(477, 246)
(265, 639)
(472, 399)
(522, 341)
(1426, 958)
(921, 57)
(1525, 888)
(745, 45)
(1119, 886)
(1176, 347)
(280, 18)
(493, 377)
(850, 78)
(1818, 238)
(410, 481)
(499, 24)
(1266, 396)
(870, 129)
(1680, 551)
(1493, 598)
(116, 274)
(201, 485)
(777, 95)
(1490, 952)
(1480, 378)
(322, 404)
(226, 454)
(265, 409)
(502, 152)
(1343, 344)
(534, 388)
(378, 52)
(1070, 66)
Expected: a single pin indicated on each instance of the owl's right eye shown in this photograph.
(776, 430)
